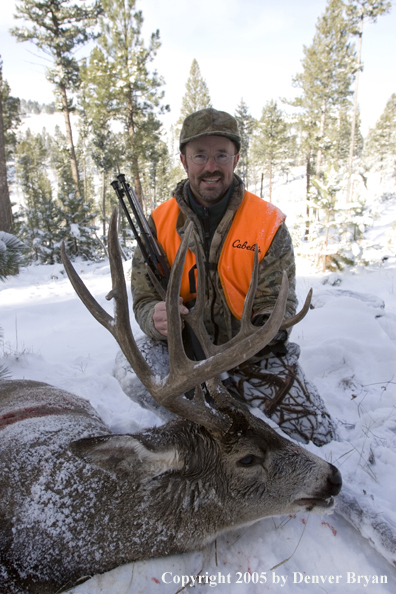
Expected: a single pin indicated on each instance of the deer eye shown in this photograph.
(248, 460)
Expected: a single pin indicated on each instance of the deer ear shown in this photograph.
(126, 455)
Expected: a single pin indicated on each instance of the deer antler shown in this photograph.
(184, 373)
(195, 317)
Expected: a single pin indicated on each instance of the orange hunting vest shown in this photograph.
(255, 221)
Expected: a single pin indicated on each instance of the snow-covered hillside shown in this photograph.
(348, 349)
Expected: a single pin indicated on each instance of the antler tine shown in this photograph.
(246, 324)
(300, 315)
(230, 354)
(184, 373)
(175, 342)
(119, 326)
(219, 358)
(195, 318)
(289, 322)
(90, 303)
(249, 336)
(122, 331)
(250, 339)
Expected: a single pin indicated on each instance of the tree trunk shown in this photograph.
(322, 128)
(154, 193)
(104, 203)
(136, 179)
(308, 174)
(135, 160)
(261, 186)
(5, 202)
(69, 134)
(353, 129)
(326, 242)
(85, 170)
(270, 179)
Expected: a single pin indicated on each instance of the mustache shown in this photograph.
(210, 175)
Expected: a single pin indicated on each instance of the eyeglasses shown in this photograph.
(203, 158)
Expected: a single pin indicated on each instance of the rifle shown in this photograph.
(157, 267)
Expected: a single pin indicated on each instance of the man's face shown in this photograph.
(209, 182)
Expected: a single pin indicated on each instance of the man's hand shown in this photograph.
(159, 316)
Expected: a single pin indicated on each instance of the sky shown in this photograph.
(248, 49)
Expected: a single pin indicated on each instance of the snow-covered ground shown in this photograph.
(348, 346)
(348, 349)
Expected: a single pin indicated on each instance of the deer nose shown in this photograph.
(334, 481)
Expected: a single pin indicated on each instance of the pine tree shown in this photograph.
(340, 137)
(158, 173)
(176, 171)
(164, 184)
(58, 28)
(106, 153)
(358, 11)
(136, 94)
(5, 202)
(306, 127)
(323, 195)
(77, 228)
(41, 217)
(11, 253)
(328, 70)
(97, 113)
(380, 146)
(246, 123)
(9, 120)
(197, 95)
(84, 157)
(30, 106)
(269, 147)
(336, 237)
(11, 117)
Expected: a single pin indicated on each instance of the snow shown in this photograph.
(347, 350)
(348, 344)
(37, 122)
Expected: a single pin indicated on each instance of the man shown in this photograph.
(228, 223)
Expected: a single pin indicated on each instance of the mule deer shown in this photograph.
(76, 501)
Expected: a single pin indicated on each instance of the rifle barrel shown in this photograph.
(145, 239)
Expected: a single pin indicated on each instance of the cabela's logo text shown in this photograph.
(244, 246)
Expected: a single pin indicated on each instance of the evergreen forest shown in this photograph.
(56, 188)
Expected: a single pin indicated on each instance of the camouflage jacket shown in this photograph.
(219, 321)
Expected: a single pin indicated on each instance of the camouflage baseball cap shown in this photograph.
(209, 122)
